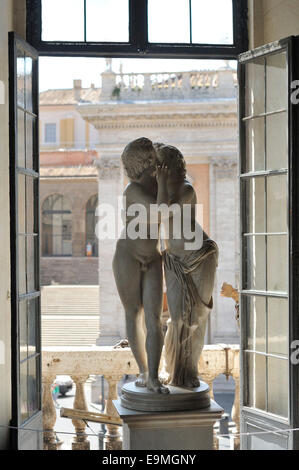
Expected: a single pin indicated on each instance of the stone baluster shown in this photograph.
(49, 414)
(80, 441)
(236, 409)
(186, 87)
(209, 378)
(147, 85)
(112, 440)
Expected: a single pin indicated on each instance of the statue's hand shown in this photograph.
(162, 173)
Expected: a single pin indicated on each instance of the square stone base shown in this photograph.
(179, 430)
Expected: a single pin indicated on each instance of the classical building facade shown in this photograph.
(83, 133)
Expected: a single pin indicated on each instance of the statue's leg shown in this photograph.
(174, 348)
(204, 279)
(126, 269)
(197, 343)
(152, 295)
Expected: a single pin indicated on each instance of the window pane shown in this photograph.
(21, 139)
(256, 380)
(21, 204)
(212, 21)
(31, 261)
(168, 22)
(32, 386)
(277, 141)
(50, 133)
(23, 391)
(277, 263)
(23, 329)
(20, 77)
(29, 204)
(278, 320)
(255, 262)
(107, 20)
(22, 264)
(278, 388)
(32, 325)
(28, 82)
(62, 20)
(277, 79)
(255, 205)
(255, 308)
(277, 204)
(255, 145)
(255, 87)
(29, 140)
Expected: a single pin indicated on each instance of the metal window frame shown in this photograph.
(138, 45)
(19, 438)
(251, 416)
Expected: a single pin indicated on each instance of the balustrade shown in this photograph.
(80, 363)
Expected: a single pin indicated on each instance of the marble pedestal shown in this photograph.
(171, 430)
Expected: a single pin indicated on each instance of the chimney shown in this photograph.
(77, 85)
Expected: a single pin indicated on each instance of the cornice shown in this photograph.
(164, 120)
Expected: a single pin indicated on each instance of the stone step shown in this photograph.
(69, 331)
(70, 315)
(70, 300)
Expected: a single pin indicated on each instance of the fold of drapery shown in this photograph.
(182, 268)
(178, 341)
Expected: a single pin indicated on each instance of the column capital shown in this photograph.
(108, 167)
(224, 163)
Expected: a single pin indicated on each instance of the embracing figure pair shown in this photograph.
(157, 174)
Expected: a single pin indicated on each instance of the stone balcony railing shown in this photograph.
(191, 85)
(80, 363)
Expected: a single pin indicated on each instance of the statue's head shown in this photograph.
(139, 157)
(172, 158)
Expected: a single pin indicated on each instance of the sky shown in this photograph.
(168, 21)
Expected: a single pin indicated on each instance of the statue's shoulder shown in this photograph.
(133, 192)
(187, 190)
(130, 188)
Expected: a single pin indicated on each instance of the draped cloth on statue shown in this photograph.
(190, 283)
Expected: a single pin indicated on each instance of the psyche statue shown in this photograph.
(157, 175)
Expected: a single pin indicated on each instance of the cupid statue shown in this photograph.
(137, 267)
(157, 176)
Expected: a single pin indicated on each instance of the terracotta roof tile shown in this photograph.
(68, 171)
(67, 96)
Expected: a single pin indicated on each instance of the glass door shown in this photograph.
(268, 218)
(24, 215)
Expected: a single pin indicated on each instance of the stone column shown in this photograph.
(78, 228)
(224, 210)
(112, 318)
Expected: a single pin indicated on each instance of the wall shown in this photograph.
(69, 271)
(55, 114)
(12, 13)
(270, 20)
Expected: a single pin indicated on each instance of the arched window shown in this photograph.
(56, 226)
(91, 238)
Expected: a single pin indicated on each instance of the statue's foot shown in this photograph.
(154, 385)
(142, 380)
(192, 382)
